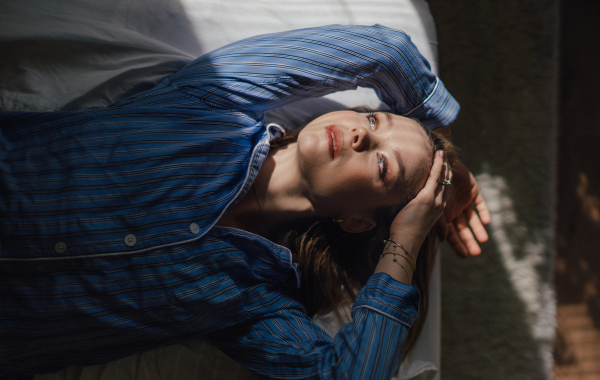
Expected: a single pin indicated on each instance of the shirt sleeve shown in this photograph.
(264, 72)
(287, 344)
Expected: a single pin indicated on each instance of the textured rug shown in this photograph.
(499, 59)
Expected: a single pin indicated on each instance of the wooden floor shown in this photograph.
(579, 344)
(577, 349)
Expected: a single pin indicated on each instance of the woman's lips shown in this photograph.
(335, 140)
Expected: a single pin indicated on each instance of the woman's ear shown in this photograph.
(357, 224)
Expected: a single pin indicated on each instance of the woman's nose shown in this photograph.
(361, 139)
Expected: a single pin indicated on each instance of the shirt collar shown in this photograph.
(275, 131)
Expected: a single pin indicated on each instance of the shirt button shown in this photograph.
(130, 240)
(194, 228)
(60, 247)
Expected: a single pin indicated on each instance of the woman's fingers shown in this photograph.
(465, 234)
(455, 242)
(476, 225)
(435, 173)
(442, 192)
(447, 177)
(482, 209)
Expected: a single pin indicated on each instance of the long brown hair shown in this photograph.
(336, 264)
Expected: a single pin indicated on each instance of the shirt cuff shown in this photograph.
(438, 110)
(389, 297)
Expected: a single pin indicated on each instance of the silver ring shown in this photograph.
(445, 183)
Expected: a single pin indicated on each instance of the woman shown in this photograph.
(116, 233)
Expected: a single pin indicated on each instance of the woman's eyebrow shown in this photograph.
(401, 166)
(388, 116)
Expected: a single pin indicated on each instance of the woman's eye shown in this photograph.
(372, 121)
(382, 162)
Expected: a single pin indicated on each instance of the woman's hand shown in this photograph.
(461, 225)
(413, 223)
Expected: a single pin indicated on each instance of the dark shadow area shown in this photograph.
(483, 329)
(578, 229)
(578, 226)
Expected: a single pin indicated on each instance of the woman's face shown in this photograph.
(359, 162)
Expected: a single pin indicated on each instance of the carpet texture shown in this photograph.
(499, 59)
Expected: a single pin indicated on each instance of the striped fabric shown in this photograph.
(107, 237)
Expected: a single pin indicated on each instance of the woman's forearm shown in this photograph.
(271, 70)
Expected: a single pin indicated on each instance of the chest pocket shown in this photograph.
(213, 302)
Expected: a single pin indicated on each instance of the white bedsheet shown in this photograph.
(87, 53)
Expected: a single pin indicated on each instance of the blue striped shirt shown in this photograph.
(108, 243)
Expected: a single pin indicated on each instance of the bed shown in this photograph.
(74, 54)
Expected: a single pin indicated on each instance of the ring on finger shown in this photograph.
(445, 182)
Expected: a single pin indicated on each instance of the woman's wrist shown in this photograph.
(404, 243)
(397, 261)
(395, 266)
